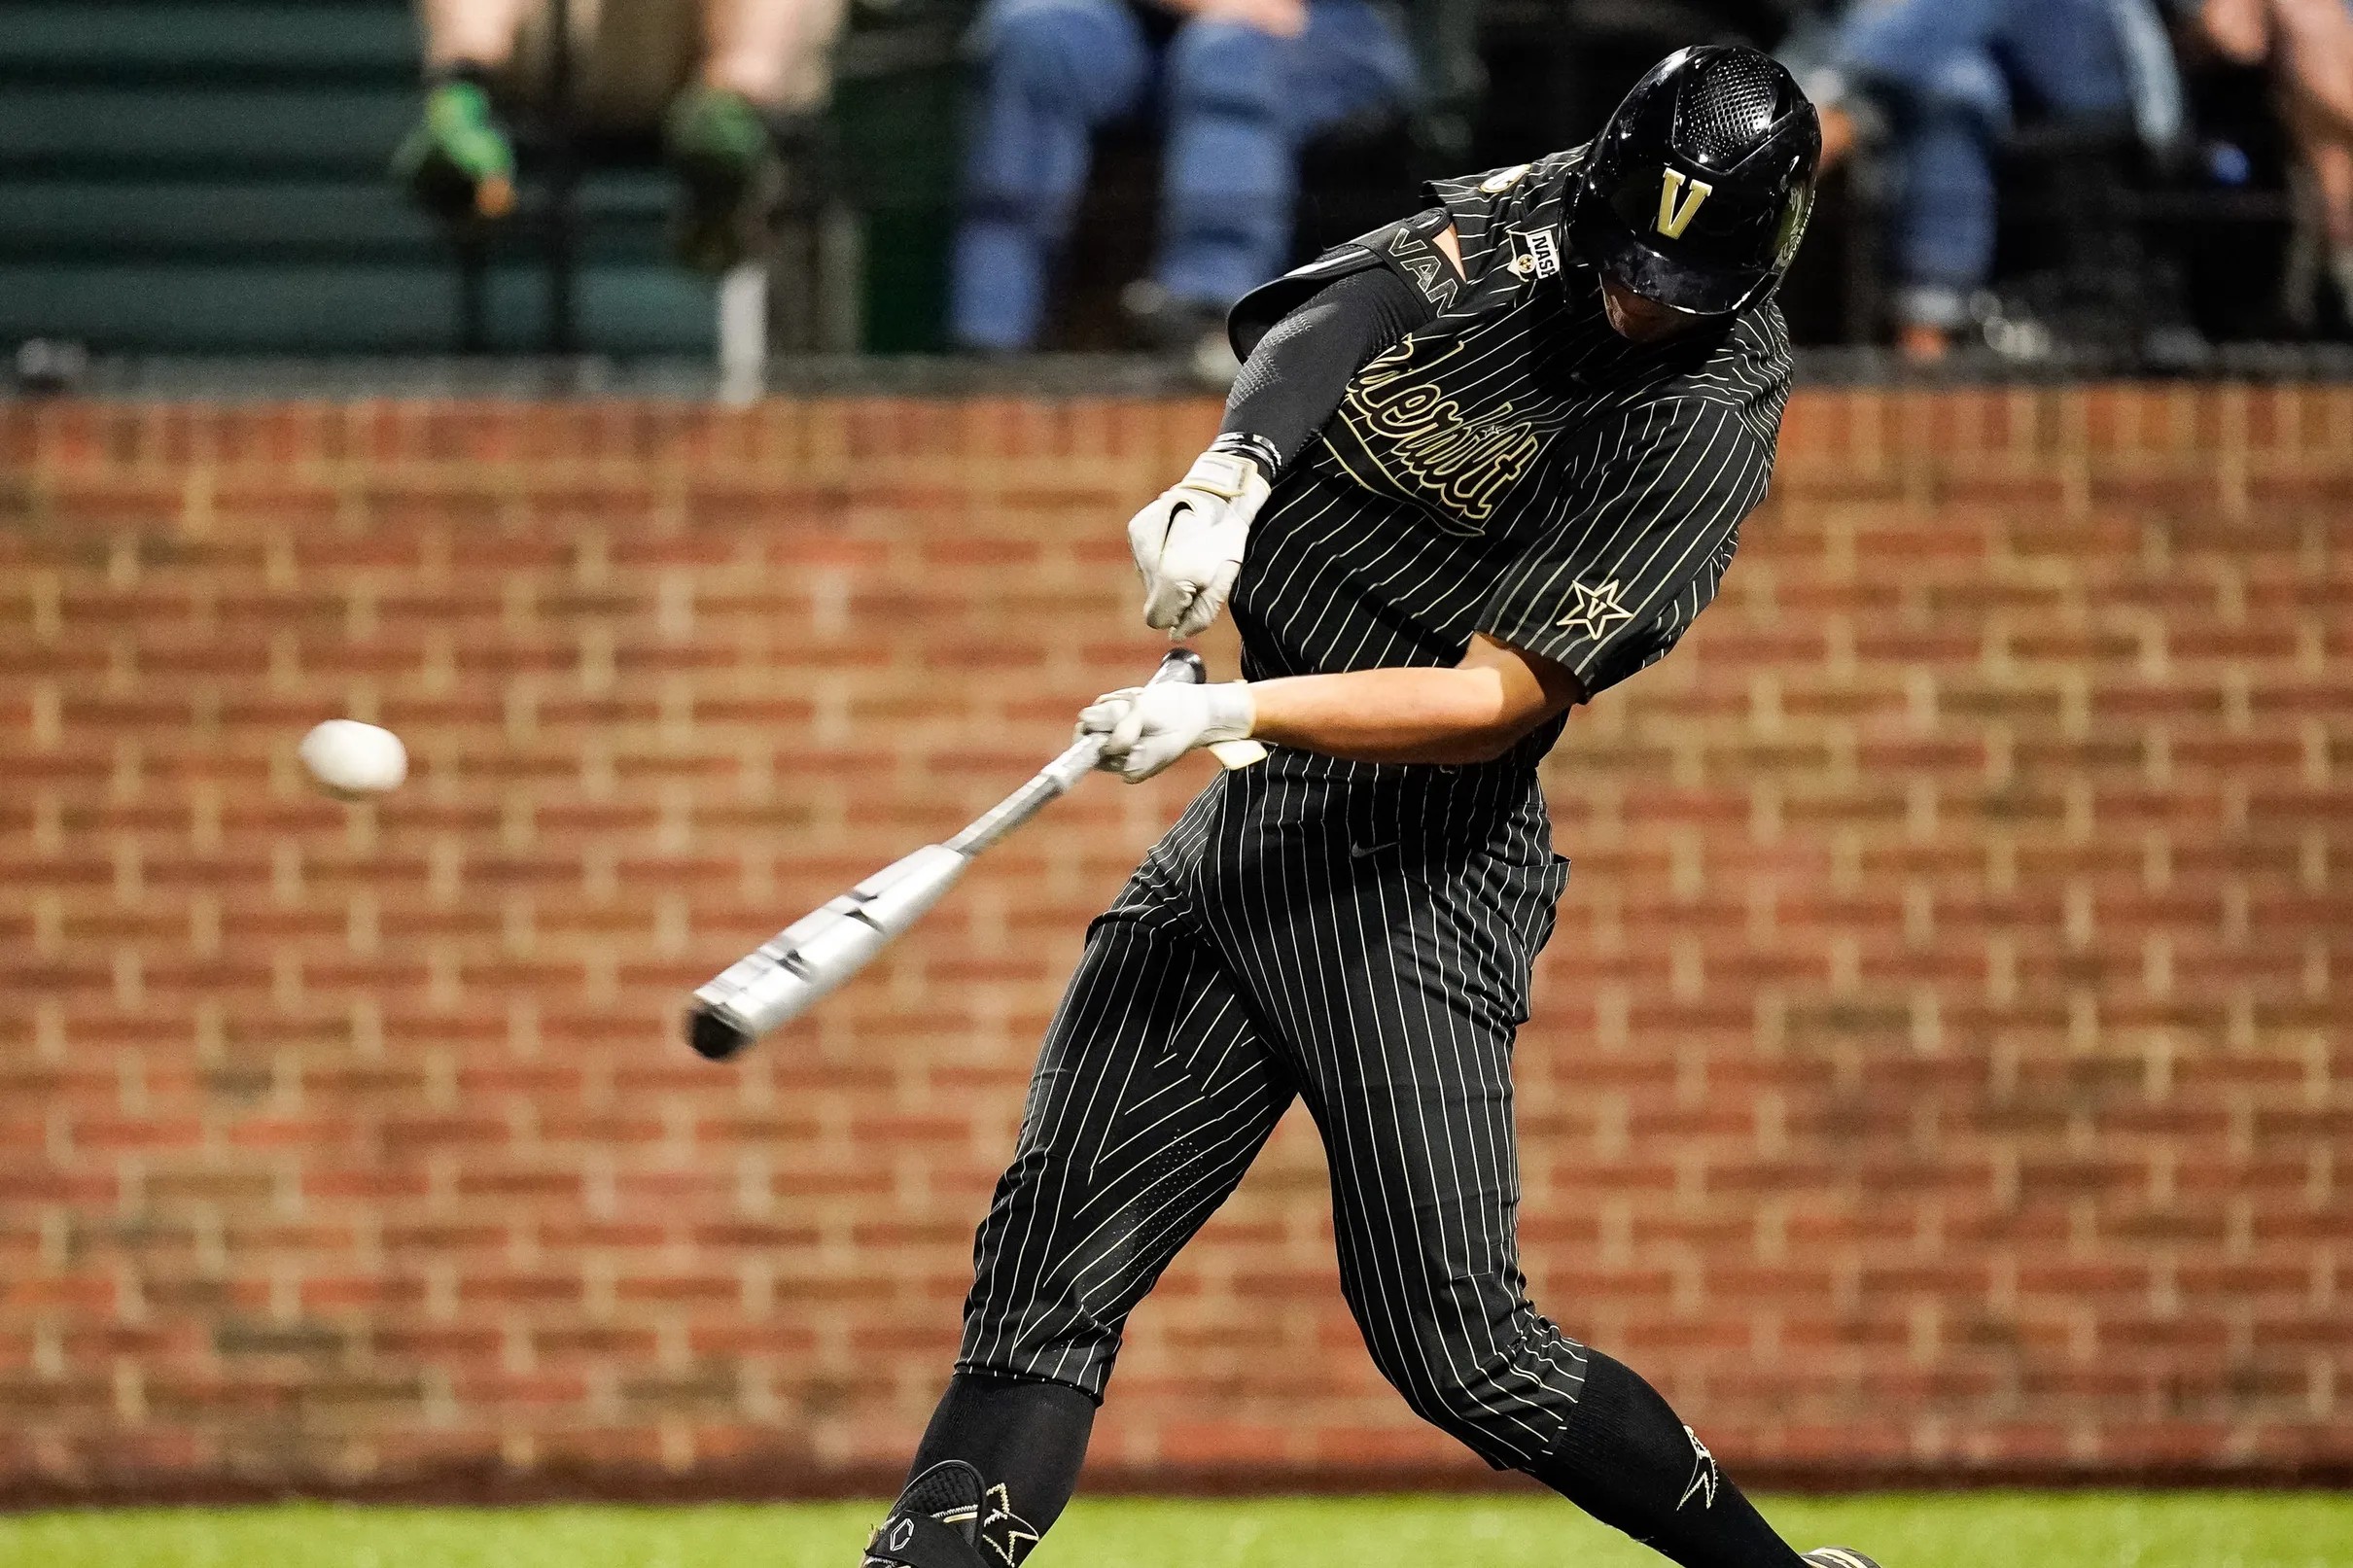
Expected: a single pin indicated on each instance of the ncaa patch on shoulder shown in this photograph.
(1537, 252)
(1497, 184)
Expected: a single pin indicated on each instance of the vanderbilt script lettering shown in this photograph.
(1418, 436)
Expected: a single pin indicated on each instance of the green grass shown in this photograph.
(1966, 1530)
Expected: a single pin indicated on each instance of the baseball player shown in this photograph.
(1481, 464)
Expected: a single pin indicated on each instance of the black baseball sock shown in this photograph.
(1629, 1462)
(1029, 1437)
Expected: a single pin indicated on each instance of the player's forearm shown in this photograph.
(1300, 370)
(1295, 378)
(1457, 717)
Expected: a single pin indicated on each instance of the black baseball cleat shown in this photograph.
(1837, 1557)
(935, 1524)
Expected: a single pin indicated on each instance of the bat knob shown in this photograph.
(713, 1035)
(1181, 666)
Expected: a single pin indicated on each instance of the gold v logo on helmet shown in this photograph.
(1677, 206)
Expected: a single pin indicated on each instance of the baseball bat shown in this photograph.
(790, 973)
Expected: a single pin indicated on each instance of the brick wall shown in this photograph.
(1939, 1067)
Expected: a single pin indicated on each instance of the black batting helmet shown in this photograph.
(1696, 192)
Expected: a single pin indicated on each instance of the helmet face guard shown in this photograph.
(1697, 192)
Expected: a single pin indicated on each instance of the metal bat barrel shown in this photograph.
(790, 973)
(797, 967)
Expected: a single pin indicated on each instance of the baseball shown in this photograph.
(353, 761)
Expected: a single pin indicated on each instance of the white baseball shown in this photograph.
(354, 760)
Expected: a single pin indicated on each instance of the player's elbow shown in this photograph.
(1506, 713)
(1505, 695)
(1493, 741)
(1484, 751)
(1487, 728)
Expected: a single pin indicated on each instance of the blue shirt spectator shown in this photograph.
(1949, 76)
(2308, 44)
(1239, 86)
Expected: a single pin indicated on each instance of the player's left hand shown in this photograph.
(1152, 727)
(1189, 543)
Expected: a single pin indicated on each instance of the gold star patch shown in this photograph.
(1597, 611)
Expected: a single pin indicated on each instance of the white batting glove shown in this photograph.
(1188, 543)
(1152, 727)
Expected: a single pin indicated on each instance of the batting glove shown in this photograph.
(1150, 728)
(1188, 543)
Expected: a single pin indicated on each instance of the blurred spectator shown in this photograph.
(2309, 45)
(722, 78)
(1242, 85)
(1946, 78)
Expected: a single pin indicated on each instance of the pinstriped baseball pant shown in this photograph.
(1366, 948)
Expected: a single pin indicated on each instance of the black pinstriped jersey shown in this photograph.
(1514, 467)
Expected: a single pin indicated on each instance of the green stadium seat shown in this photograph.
(158, 219)
(204, 131)
(210, 44)
(208, 176)
(352, 307)
(161, 220)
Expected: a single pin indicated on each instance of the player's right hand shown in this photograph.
(1146, 728)
(1188, 543)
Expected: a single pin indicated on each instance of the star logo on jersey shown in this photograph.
(1597, 611)
(1703, 1473)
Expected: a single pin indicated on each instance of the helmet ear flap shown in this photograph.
(1796, 213)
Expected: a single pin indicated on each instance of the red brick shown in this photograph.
(1953, 940)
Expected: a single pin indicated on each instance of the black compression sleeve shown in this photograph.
(1295, 377)
(1628, 1459)
(1029, 1437)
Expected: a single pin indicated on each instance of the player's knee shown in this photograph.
(1490, 1402)
(1622, 1452)
(1226, 69)
(1043, 1347)
(1053, 1318)
(1485, 1429)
